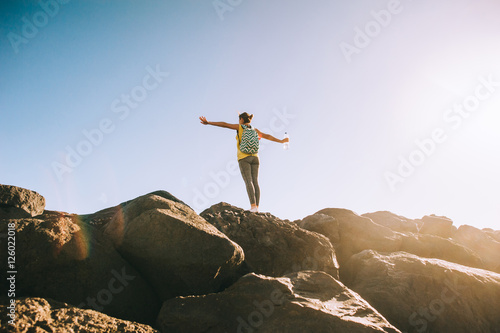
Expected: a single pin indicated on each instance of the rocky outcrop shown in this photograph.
(323, 224)
(438, 226)
(176, 250)
(426, 295)
(356, 233)
(429, 246)
(393, 221)
(60, 257)
(495, 234)
(305, 301)
(483, 243)
(351, 234)
(231, 270)
(45, 315)
(272, 246)
(17, 202)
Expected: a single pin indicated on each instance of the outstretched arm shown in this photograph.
(272, 138)
(204, 121)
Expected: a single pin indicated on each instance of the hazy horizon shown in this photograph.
(390, 105)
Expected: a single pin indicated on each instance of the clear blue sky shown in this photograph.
(355, 83)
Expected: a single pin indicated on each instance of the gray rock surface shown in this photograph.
(351, 234)
(323, 224)
(429, 246)
(437, 225)
(393, 221)
(16, 200)
(306, 301)
(59, 257)
(230, 270)
(45, 315)
(177, 251)
(426, 295)
(272, 246)
(356, 233)
(483, 243)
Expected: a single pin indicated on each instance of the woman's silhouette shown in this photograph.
(248, 162)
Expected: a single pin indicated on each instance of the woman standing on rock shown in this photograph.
(248, 145)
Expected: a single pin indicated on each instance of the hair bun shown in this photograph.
(246, 117)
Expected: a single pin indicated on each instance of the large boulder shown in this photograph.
(357, 233)
(45, 315)
(323, 224)
(429, 246)
(426, 295)
(306, 301)
(351, 234)
(59, 257)
(272, 246)
(393, 221)
(486, 246)
(177, 251)
(495, 234)
(438, 226)
(17, 202)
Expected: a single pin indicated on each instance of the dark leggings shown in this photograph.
(249, 167)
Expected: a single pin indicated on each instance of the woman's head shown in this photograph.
(245, 118)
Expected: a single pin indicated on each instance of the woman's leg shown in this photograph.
(255, 178)
(246, 173)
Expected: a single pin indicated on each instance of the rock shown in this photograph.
(323, 224)
(10, 212)
(393, 221)
(45, 315)
(176, 250)
(430, 246)
(126, 261)
(426, 295)
(358, 233)
(101, 218)
(272, 246)
(59, 257)
(306, 301)
(495, 234)
(437, 225)
(14, 201)
(487, 247)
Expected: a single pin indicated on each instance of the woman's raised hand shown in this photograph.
(203, 120)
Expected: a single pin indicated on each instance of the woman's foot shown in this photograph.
(254, 209)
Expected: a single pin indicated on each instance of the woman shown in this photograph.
(249, 163)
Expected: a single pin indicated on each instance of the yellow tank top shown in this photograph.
(238, 139)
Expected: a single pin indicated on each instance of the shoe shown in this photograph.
(254, 210)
